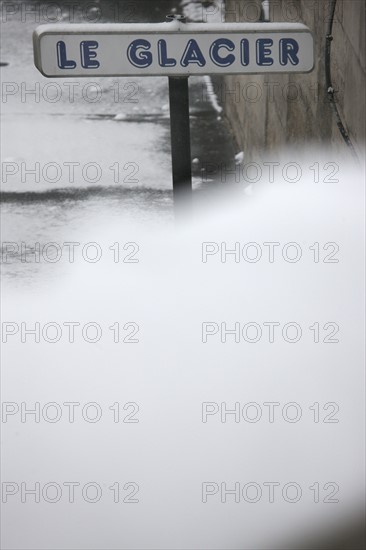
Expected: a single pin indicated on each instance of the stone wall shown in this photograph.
(268, 112)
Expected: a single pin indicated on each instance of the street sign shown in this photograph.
(177, 50)
(172, 49)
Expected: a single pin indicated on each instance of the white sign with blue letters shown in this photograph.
(172, 49)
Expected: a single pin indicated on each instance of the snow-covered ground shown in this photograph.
(171, 453)
(77, 149)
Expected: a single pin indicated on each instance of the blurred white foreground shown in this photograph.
(170, 452)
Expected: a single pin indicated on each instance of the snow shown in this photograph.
(212, 95)
(239, 158)
(169, 26)
(265, 7)
(170, 373)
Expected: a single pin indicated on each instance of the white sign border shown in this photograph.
(173, 28)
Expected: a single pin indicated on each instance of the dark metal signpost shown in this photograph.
(175, 49)
(180, 134)
(180, 129)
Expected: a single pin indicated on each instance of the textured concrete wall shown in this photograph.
(268, 112)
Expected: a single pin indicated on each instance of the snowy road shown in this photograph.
(77, 148)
